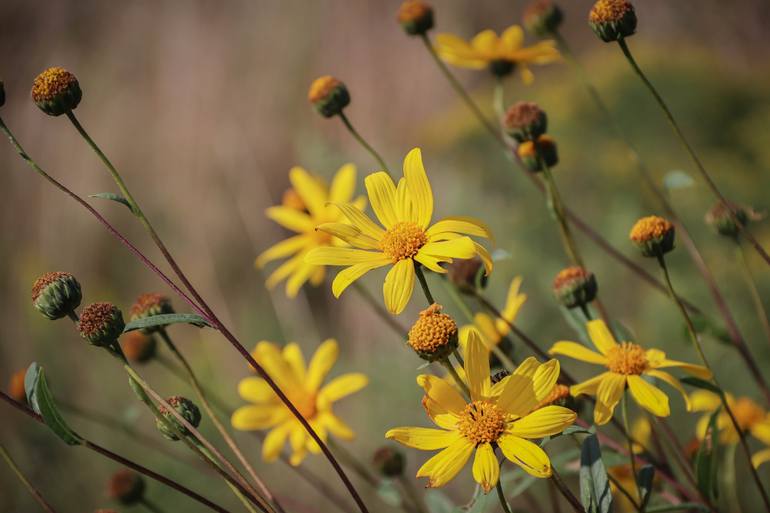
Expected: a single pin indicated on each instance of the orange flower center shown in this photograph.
(321, 87)
(609, 10)
(481, 422)
(649, 228)
(747, 412)
(51, 83)
(306, 405)
(432, 330)
(627, 358)
(403, 240)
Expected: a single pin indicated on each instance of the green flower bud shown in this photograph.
(56, 295)
(184, 407)
(101, 324)
(574, 286)
(126, 487)
(56, 91)
(329, 96)
(389, 461)
(533, 157)
(612, 20)
(415, 17)
(150, 305)
(720, 219)
(542, 17)
(653, 235)
(433, 336)
(525, 121)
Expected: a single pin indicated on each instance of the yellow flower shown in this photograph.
(501, 54)
(640, 431)
(311, 192)
(503, 415)
(751, 417)
(304, 387)
(493, 330)
(626, 363)
(405, 212)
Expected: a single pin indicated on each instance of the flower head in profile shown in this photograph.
(504, 415)
(751, 417)
(305, 388)
(501, 54)
(405, 238)
(492, 331)
(314, 196)
(626, 364)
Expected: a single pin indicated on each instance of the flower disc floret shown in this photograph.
(434, 334)
(56, 91)
(653, 235)
(403, 240)
(627, 358)
(482, 422)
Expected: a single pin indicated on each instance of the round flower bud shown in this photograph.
(542, 17)
(720, 219)
(150, 305)
(390, 462)
(16, 386)
(415, 17)
(138, 347)
(546, 148)
(56, 295)
(126, 487)
(574, 286)
(328, 95)
(101, 324)
(184, 407)
(2, 93)
(612, 20)
(525, 121)
(501, 67)
(653, 235)
(56, 91)
(466, 274)
(434, 335)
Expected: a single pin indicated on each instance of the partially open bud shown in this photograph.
(101, 324)
(525, 121)
(150, 305)
(612, 20)
(719, 218)
(2, 93)
(542, 17)
(56, 295)
(56, 91)
(138, 347)
(533, 157)
(467, 274)
(126, 487)
(184, 407)
(328, 95)
(434, 335)
(653, 235)
(16, 386)
(415, 17)
(574, 286)
(389, 461)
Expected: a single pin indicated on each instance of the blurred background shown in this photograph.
(202, 106)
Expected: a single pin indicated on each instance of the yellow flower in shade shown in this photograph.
(751, 417)
(501, 54)
(626, 362)
(405, 239)
(493, 330)
(640, 432)
(304, 386)
(314, 195)
(504, 415)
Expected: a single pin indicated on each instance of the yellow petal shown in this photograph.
(528, 367)
(405, 209)
(442, 467)
(343, 184)
(649, 397)
(439, 415)
(512, 38)
(671, 380)
(486, 326)
(545, 378)
(446, 395)
(485, 42)
(431, 262)
(270, 357)
(462, 248)
(341, 256)
(760, 457)
(703, 400)
(274, 441)
(578, 352)
(282, 249)
(695, 370)
(419, 187)
(513, 302)
(285, 269)
(350, 234)
(341, 386)
(321, 363)
(256, 390)
(293, 356)
(761, 430)
(310, 189)
(347, 276)
(518, 397)
(477, 366)
(426, 439)
(608, 394)
(525, 454)
(601, 335)
(300, 276)
(458, 224)
(588, 387)
(249, 418)
(546, 421)
(486, 469)
(291, 219)
(485, 257)
(382, 197)
(336, 426)
(526, 74)
(360, 220)
(398, 286)
(457, 52)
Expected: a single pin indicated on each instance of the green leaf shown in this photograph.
(595, 491)
(645, 479)
(113, 197)
(165, 320)
(389, 493)
(707, 460)
(677, 179)
(701, 383)
(683, 506)
(41, 401)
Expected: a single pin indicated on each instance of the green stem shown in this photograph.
(631, 456)
(586, 312)
(363, 142)
(565, 491)
(423, 284)
(554, 199)
(236, 490)
(26, 482)
(756, 298)
(729, 482)
(501, 496)
(498, 99)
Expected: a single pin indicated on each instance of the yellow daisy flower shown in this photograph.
(405, 239)
(500, 54)
(626, 363)
(751, 417)
(504, 415)
(493, 330)
(304, 387)
(305, 206)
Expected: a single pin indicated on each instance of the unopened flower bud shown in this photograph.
(101, 324)
(433, 336)
(184, 407)
(653, 235)
(415, 17)
(574, 286)
(612, 20)
(150, 305)
(56, 91)
(720, 219)
(328, 95)
(16, 386)
(533, 156)
(466, 274)
(390, 462)
(138, 347)
(56, 295)
(2, 93)
(126, 487)
(525, 121)
(542, 17)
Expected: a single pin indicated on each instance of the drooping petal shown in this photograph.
(458, 224)
(513, 302)
(431, 262)
(546, 421)
(477, 366)
(601, 336)
(343, 184)
(291, 219)
(486, 326)
(442, 467)
(461, 247)
(485, 257)
(350, 234)
(525, 454)
(341, 386)
(398, 286)
(250, 418)
(761, 430)
(350, 274)
(426, 439)
(578, 352)
(419, 187)
(671, 380)
(608, 394)
(457, 52)
(341, 256)
(312, 191)
(588, 387)
(360, 220)
(282, 249)
(321, 363)
(486, 469)
(439, 390)
(696, 370)
(649, 397)
(382, 197)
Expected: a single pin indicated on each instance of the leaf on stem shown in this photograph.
(165, 320)
(41, 400)
(595, 494)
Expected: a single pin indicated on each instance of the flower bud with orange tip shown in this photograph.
(722, 221)
(533, 156)
(467, 274)
(389, 461)
(16, 386)
(574, 287)
(56, 91)
(542, 17)
(126, 487)
(328, 95)
(525, 121)
(138, 347)
(612, 20)
(150, 305)
(56, 295)
(653, 235)
(433, 336)
(101, 324)
(415, 17)
(184, 407)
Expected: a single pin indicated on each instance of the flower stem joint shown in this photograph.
(184, 407)
(612, 20)
(575, 287)
(525, 121)
(390, 462)
(653, 235)
(415, 17)
(329, 96)
(533, 156)
(433, 336)
(542, 17)
(150, 305)
(126, 487)
(56, 295)
(101, 324)
(56, 91)
(720, 220)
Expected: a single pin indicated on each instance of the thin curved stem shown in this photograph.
(756, 297)
(26, 482)
(554, 199)
(565, 491)
(423, 284)
(368, 147)
(456, 377)
(501, 496)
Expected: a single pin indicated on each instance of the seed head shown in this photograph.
(186, 408)
(653, 235)
(546, 148)
(574, 286)
(328, 95)
(415, 17)
(542, 17)
(101, 324)
(612, 20)
(56, 295)
(389, 461)
(56, 91)
(525, 121)
(150, 305)
(126, 487)
(138, 347)
(434, 335)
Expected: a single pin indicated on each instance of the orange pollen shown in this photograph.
(568, 275)
(51, 83)
(307, 406)
(650, 228)
(747, 412)
(527, 148)
(627, 358)
(481, 422)
(45, 280)
(559, 392)
(432, 330)
(321, 87)
(403, 240)
(605, 11)
(412, 10)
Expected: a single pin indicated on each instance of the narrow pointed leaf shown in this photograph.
(112, 197)
(41, 400)
(595, 491)
(165, 320)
